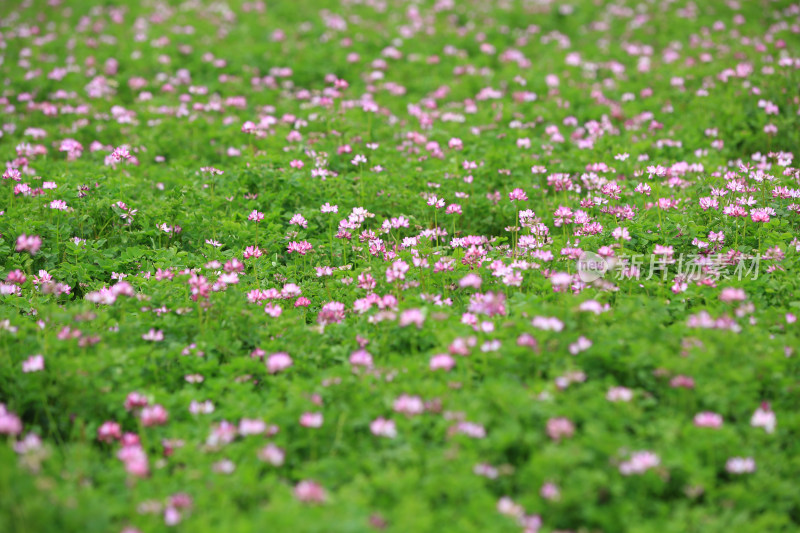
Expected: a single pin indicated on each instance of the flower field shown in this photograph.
(403, 266)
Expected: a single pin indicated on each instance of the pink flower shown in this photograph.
(301, 247)
(135, 459)
(272, 454)
(621, 233)
(708, 419)
(273, 310)
(639, 463)
(255, 216)
(201, 408)
(619, 394)
(734, 211)
(409, 405)
(30, 443)
(298, 220)
(34, 363)
(154, 415)
(442, 362)
(120, 153)
(135, 400)
(731, 294)
(234, 265)
(517, 195)
(221, 434)
(16, 276)
(278, 361)
(311, 420)
(682, 381)
(323, 271)
(470, 280)
(290, 290)
(764, 417)
(666, 251)
(251, 251)
(550, 491)
(154, 335)
(470, 429)
(130, 439)
(547, 323)
(204, 408)
(109, 431)
(485, 470)
(489, 304)
(436, 202)
(251, 426)
(580, 345)
(331, 312)
(761, 214)
(361, 358)
(382, 427)
(559, 428)
(527, 340)
(507, 506)
(397, 271)
(562, 215)
(213, 171)
(30, 244)
(412, 316)
(12, 174)
(172, 516)
(740, 465)
(708, 202)
(310, 492)
(10, 424)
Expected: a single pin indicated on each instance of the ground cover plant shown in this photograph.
(378, 265)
